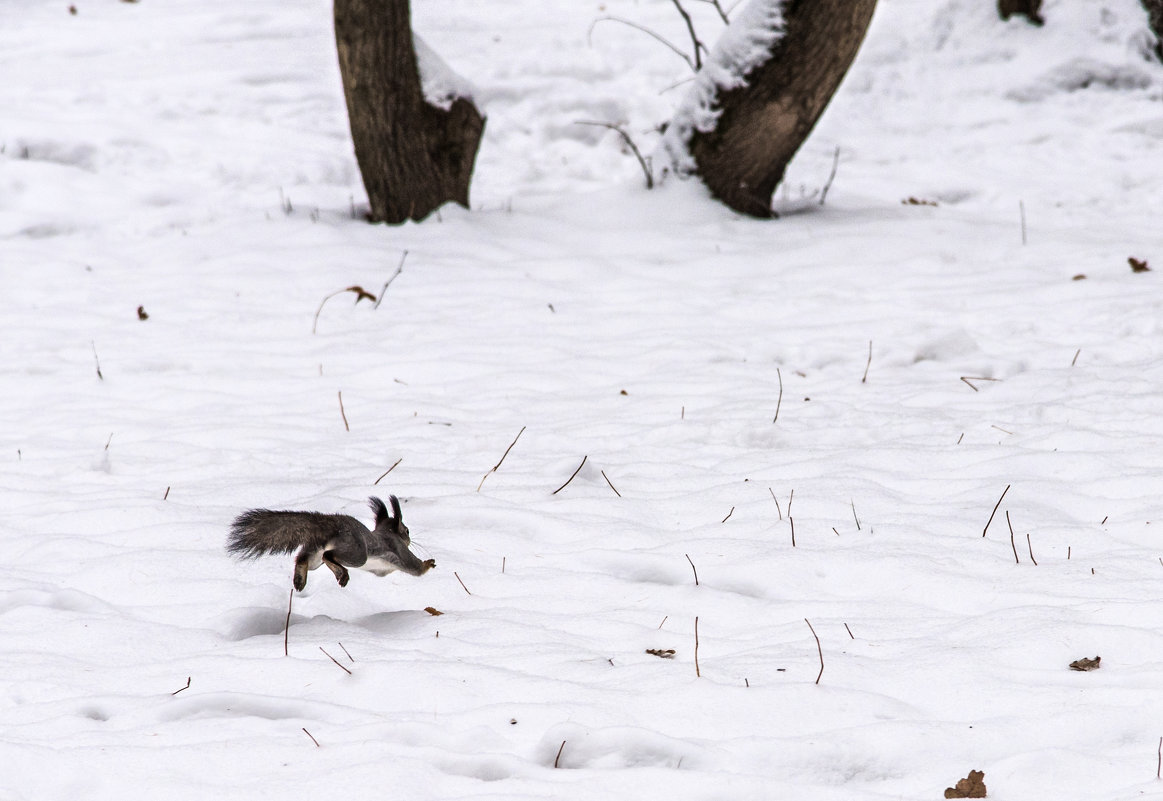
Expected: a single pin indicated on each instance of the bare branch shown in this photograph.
(646, 31)
(633, 147)
(690, 26)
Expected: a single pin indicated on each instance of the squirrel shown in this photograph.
(338, 541)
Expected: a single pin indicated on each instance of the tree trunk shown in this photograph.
(764, 122)
(1030, 9)
(413, 156)
(1155, 20)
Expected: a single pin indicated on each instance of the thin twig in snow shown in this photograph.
(819, 648)
(688, 558)
(312, 737)
(777, 509)
(342, 413)
(349, 656)
(850, 634)
(1077, 353)
(611, 483)
(854, 515)
(968, 378)
(167, 494)
(575, 472)
(97, 360)
(645, 30)
(1030, 545)
(728, 517)
(388, 283)
(506, 453)
(287, 628)
(831, 176)
(792, 520)
(698, 673)
(461, 582)
(864, 379)
(642, 162)
(779, 400)
(336, 661)
(557, 759)
(390, 469)
(690, 26)
(994, 512)
(175, 692)
(1012, 545)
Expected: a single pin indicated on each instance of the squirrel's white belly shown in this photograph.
(379, 566)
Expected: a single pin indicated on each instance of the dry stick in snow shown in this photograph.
(690, 26)
(506, 453)
(630, 142)
(968, 378)
(790, 498)
(175, 692)
(777, 509)
(831, 176)
(698, 673)
(850, 634)
(1030, 545)
(557, 759)
(349, 656)
(819, 648)
(854, 515)
(725, 519)
(287, 628)
(336, 661)
(97, 360)
(1077, 353)
(504, 559)
(611, 483)
(342, 413)
(688, 558)
(390, 469)
(779, 400)
(1022, 212)
(572, 476)
(645, 30)
(791, 520)
(864, 380)
(994, 512)
(167, 494)
(388, 283)
(660, 625)
(461, 582)
(1159, 765)
(1015, 547)
(360, 294)
(312, 737)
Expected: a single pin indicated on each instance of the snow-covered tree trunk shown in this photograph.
(763, 88)
(416, 131)
(1155, 20)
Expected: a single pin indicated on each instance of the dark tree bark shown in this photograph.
(764, 123)
(1155, 20)
(1030, 9)
(413, 156)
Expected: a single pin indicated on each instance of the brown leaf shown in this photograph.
(433, 611)
(1138, 265)
(1086, 664)
(972, 786)
(141, 315)
(914, 201)
(361, 294)
(661, 654)
(1079, 277)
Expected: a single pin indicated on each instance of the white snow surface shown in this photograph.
(745, 44)
(192, 158)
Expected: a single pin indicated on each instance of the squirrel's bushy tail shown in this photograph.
(261, 531)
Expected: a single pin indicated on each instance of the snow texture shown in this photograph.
(192, 158)
(440, 83)
(746, 43)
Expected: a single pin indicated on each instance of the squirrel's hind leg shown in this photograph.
(302, 565)
(341, 574)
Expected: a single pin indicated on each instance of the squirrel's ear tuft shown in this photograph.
(396, 509)
(381, 511)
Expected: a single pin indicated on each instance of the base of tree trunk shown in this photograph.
(763, 123)
(1030, 9)
(414, 157)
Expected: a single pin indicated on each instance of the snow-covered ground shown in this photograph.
(192, 158)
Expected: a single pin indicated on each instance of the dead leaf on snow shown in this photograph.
(1086, 664)
(972, 786)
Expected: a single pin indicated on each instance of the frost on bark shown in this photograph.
(414, 155)
(760, 117)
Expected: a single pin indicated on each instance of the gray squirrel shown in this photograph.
(338, 541)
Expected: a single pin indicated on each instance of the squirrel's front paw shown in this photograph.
(429, 564)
